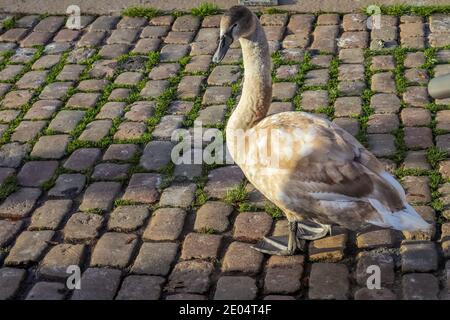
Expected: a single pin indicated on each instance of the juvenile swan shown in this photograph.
(313, 170)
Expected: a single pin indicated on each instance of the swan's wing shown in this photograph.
(324, 171)
(327, 163)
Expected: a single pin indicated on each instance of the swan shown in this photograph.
(314, 171)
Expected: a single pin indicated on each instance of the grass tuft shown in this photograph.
(200, 196)
(146, 12)
(205, 9)
(274, 11)
(9, 23)
(206, 230)
(236, 195)
(153, 59)
(435, 155)
(273, 211)
(9, 186)
(423, 11)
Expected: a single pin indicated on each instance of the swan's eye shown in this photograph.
(229, 33)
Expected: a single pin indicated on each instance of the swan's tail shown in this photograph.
(406, 219)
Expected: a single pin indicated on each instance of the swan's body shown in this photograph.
(327, 176)
(321, 172)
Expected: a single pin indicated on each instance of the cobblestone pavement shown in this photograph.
(86, 175)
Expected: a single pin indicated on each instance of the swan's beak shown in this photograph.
(224, 44)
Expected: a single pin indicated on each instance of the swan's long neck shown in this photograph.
(257, 88)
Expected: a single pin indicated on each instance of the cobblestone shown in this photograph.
(29, 247)
(377, 238)
(322, 276)
(143, 188)
(213, 215)
(36, 173)
(59, 258)
(20, 203)
(155, 258)
(10, 280)
(8, 231)
(384, 261)
(100, 196)
(128, 218)
(72, 129)
(200, 246)
(82, 227)
(419, 257)
(100, 284)
(47, 291)
(252, 226)
(420, 286)
(240, 257)
(190, 277)
(235, 288)
(113, 250)
(180, 195)
(165, 224)
(82, 159)
(221, 180)
(283, 274)
(140, 288)
(51, 147)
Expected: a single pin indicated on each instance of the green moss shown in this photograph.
(328, 111)
(236, 195)
(9, 186)
(399, 155)
(95, 211)
(401, 173)
(90, 61)
(430, 61)
(305, 66)
(206, 230)
(5, 56)
(277, 59)
(184, 61)
(333, 92)
(274, 10)
(205, 9)
(435, 180)
(177, 13)
(153, 59)
(367, 110)
(193, 113)
(200, 196)
(121, 202)
(245, 206)
(273, 211)
(435, 155)
(399, 71)
(438, 205)
(146, 12)
(9, 23)
(424, 11)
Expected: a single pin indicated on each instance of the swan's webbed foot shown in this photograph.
(310, 230)
(298, 233)
(281, 245)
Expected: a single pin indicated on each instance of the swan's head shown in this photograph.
(237, 22)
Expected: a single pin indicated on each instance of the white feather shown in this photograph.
(406, 220)
(393, 182)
